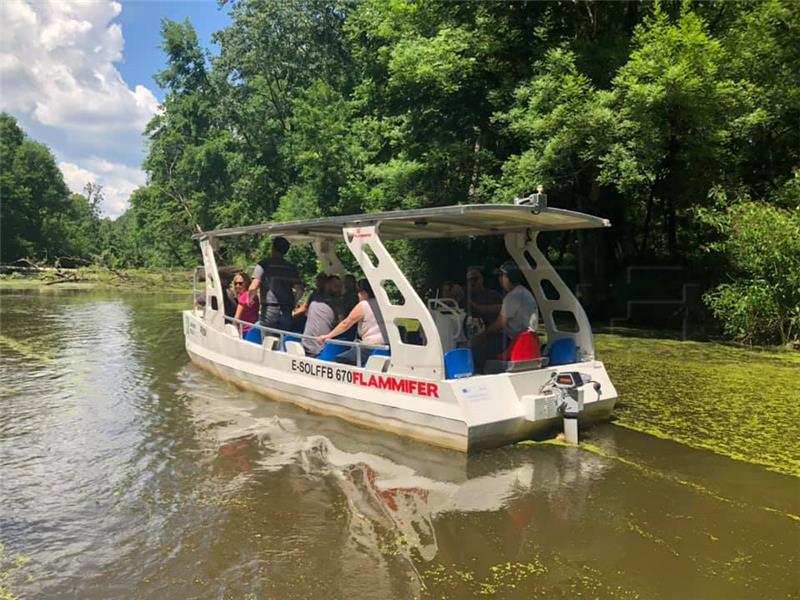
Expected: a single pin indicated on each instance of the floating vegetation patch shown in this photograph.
(740, 402)
(10, 566)
(657, 474)
(502, 577)
(26, 350)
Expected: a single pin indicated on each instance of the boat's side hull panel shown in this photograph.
(465, 414)
(439, 431)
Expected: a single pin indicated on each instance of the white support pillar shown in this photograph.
(213, 287)
(420, 361)
(518, 245)
(325, 250)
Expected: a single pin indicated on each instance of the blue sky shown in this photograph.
(78, 76)
(141, 22)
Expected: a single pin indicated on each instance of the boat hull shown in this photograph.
(465, 414)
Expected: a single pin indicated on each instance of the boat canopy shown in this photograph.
(428, 223)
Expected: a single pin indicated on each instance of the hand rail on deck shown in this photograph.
(282, 333)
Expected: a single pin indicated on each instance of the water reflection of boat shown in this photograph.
(419, 386)
(394, 492)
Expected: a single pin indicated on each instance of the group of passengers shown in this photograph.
(503, 317)
(340, 307)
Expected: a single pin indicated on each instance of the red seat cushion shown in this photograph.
(525, 346)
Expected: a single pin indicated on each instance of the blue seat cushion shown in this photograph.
(330, 351)
(459, 363)
(253, 335)
(563, 352)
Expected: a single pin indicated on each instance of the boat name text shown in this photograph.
(381, 382)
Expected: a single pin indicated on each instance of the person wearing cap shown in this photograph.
(272, 283)
(516, 312)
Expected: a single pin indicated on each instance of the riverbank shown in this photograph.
(736, 401)
(95, 277)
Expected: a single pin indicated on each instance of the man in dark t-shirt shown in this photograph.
(274, 278)
(482, 302)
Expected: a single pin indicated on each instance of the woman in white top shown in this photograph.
(371, 327)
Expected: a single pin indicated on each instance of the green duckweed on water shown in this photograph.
(10, 566)
(740, 402)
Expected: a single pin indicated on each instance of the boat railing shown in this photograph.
(283, 334)
(195, 279)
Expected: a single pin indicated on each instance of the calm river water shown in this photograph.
(126, 472)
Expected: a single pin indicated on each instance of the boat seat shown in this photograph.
(253, 335)
(270, 342)
(458, 363)
(286, 340)
(380, 352)
(231, 330)
(377, 363)
(330, 351)
(563, 352)
(295, 348)
(507, 366)
(525, 346)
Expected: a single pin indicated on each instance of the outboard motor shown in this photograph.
(570, 387)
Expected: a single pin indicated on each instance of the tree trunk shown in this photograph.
(647, 216)
(672, 229)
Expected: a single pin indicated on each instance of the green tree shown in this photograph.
(760, 302)
(761, 46)
(32, 190)
(674, 106)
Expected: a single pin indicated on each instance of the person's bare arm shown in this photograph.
(350, 320)
(300, 310)
(497, 325)
(252, 291)
(486, 307)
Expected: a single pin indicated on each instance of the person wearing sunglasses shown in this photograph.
(482, 302)
(244, 311)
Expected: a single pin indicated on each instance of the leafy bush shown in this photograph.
(761, 303)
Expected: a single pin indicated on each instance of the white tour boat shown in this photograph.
(420, 386)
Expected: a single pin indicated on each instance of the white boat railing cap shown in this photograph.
(463, 220)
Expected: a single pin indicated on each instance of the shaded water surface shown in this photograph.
(126, 472)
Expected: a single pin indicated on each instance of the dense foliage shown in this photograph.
(39, 218)
(762, 245)
(648, 113)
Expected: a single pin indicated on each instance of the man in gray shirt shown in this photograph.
(321, 316)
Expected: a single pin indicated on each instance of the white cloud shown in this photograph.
(57, 63)
(118, 182)
(57, 73)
